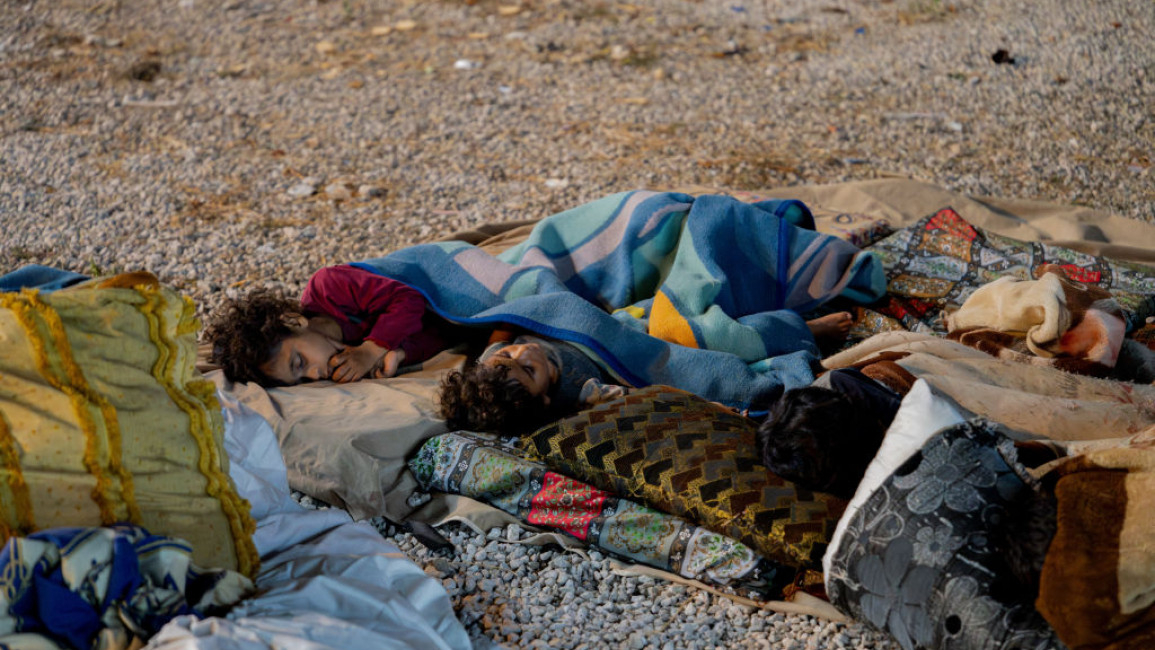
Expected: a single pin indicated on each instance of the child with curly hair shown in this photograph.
(348, 325)
(823, 436)
(517, 387)
(520, 384)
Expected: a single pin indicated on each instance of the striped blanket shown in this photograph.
(701, 293)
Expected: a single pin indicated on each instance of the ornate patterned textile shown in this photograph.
(484, 468)
(681, 454)
(940, 261)
(103, 588)
(925, 557)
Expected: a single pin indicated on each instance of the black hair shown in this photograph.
(820, 439)
(486, 398)
(245, 331)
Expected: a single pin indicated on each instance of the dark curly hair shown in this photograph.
(244, 332)
(820, 439)
(484, 398)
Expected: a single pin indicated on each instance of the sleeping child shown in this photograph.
(348, 325)
(521, 384)
(823, 436)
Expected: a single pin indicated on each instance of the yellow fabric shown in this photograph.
(104, 419)
(669, 325)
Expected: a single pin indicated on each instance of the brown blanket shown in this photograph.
(1098, 582)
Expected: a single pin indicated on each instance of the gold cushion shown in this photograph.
(104, 419)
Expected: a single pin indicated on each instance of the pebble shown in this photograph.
(203, 174)
(301, 190)
(338, 192)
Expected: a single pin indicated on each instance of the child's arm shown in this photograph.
(595, 392)
(382, 313)
(367, 305)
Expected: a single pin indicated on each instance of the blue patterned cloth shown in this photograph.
(103, 587)
(931, 556)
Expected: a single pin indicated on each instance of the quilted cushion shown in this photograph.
(689, 457)
(104, 419)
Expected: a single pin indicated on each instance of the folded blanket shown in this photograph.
(1032, 402)
(481, 467)
(937, 263)
(1074, 326)
(630, 275)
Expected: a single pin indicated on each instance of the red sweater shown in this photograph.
(370, 306)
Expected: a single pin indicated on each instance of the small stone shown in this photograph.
(444, 566)
(338, 191)
(512, 532)
(370, 192)
(302, 189)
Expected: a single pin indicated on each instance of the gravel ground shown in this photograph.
(229, 144)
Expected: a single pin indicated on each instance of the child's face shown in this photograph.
(302, 356)
(529, 365)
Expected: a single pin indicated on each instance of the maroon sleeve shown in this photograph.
(367, 305)
(423, 345)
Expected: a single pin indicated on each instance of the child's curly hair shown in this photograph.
(244, 332)
(484, 398)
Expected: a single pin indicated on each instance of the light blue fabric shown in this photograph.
(737, 274)
(36, 276)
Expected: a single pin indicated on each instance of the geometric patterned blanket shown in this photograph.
(684, 455)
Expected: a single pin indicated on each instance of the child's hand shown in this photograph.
(356, 361)
(389, 364)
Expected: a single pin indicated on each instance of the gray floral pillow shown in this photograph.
(931, 556)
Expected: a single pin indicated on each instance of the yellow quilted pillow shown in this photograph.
(104, 419)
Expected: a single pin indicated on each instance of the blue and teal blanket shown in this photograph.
(702, 293)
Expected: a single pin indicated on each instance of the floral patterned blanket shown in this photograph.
(930, 556)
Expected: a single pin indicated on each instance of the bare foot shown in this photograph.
(831, 327)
